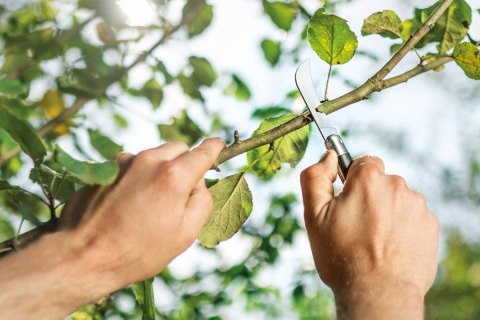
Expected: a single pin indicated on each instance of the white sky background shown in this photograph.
(433, 119)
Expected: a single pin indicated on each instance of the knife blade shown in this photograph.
(333, 141)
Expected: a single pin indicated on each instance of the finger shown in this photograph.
(198, 208)
(369, 160)
(317, 183)
(165, 152)
(200, 159)
(124, 160)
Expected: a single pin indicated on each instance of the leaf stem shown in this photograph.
(325, 98)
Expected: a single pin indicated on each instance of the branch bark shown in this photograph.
(267, 137)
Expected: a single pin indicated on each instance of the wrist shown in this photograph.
(379, 299)
(51, 278)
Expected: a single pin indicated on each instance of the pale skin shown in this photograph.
(375, 244)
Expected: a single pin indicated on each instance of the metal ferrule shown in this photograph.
(335, 142)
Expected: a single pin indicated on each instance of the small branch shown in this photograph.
(410, 43)
(404, 77)
(375, 82)
(22, 240)
(296, 123)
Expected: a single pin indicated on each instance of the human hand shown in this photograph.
(375, 242)
(152, 213)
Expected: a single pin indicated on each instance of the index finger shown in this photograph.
(201, 158)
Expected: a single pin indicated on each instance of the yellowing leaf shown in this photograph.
(105, 33)
(385, 23)
(287, 149)
(52, 103)
(467, 56)
(232, 206)
(331, 38)
(450, 29)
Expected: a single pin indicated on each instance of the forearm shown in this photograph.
(382, 300)
(50, 279)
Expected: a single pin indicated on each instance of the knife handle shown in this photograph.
(334, 142)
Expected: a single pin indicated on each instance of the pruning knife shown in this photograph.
(333, 141)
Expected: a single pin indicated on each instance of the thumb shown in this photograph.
(317, 183)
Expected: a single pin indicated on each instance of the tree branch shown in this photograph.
(303, 119)
(24, 239)
(375, 82)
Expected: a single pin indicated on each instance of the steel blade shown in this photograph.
(304, 82)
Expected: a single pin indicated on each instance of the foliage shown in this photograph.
(87, 55)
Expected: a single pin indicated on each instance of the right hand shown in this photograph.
(375, 232)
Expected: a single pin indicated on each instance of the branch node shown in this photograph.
(272, 146)
(236, 137)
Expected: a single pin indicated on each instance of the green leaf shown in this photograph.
(6, 229)
(163, 69)
(449, 29)
(201, 20)
(12, 88)
(269, 112)
(190, 86)
(385, 23)
(181, 129)
(145, 298)
(61, 186)
(5, 185)
(211, 182)
(153, 90)
(120, 121)
(467, 57)
(86, 171)
(203, 71)
(238, 88)
(28, 215)
(271, 51)
(331, 38)
(281, 13)
(104, 145)
(232, 205)
(287, 149)
(23, 133)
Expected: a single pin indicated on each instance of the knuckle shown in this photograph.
(420, 200)
(172, 171)
(368, 172)
(398, 182)
(145, 158)
(180, 145)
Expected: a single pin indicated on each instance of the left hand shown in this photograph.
(152, 213)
